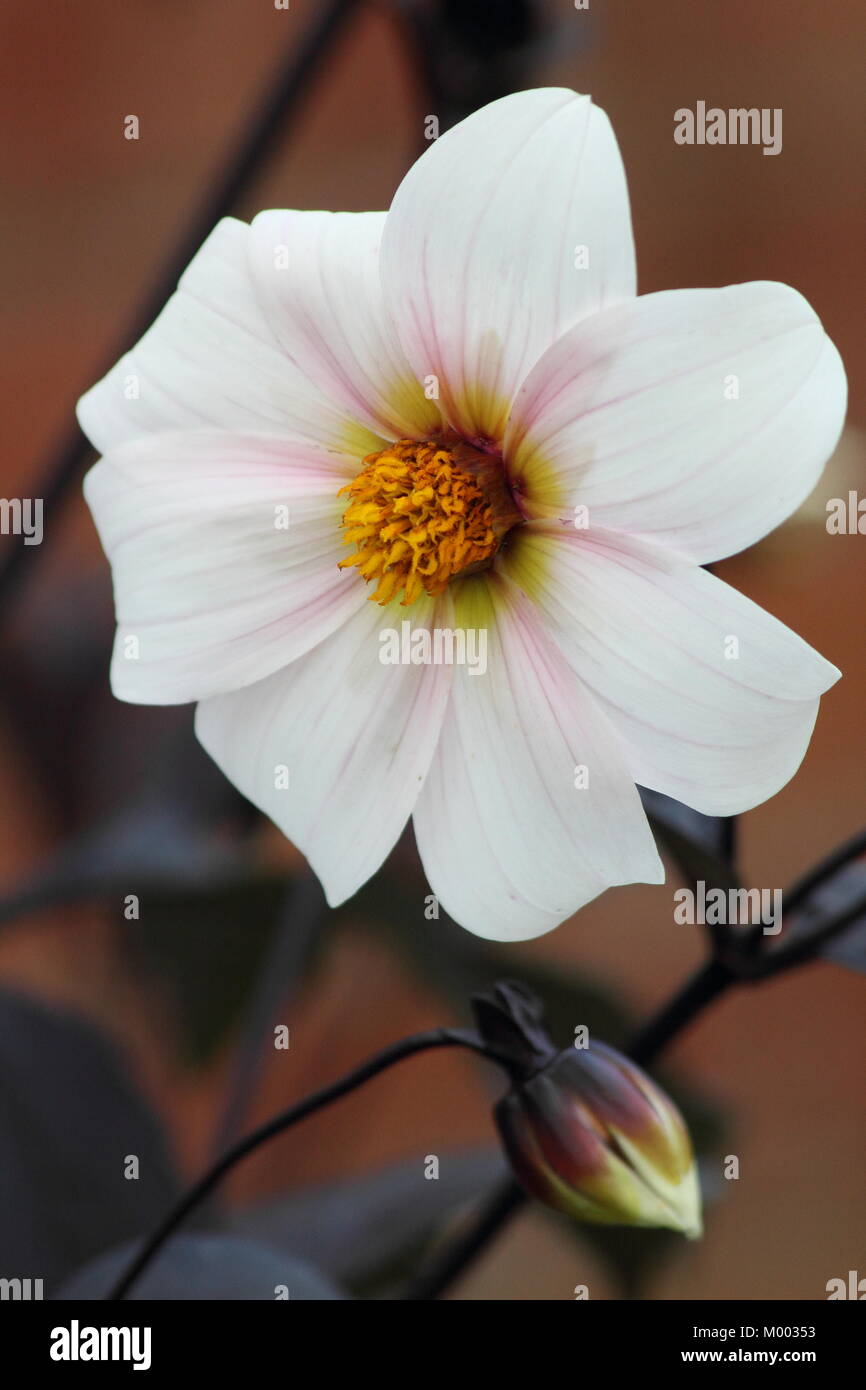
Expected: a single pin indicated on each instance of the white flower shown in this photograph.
(681, 426)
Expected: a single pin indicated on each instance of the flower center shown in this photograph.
(422, 513)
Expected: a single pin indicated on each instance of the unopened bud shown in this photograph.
(586, 1131)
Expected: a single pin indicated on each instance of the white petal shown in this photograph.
(510, 844)
(211, 359)
(317, 278)
(701, 418)
(481, 243)
(713, 699)
(354, 736)
(212, 590)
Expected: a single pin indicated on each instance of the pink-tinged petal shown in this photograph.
(713, 699)
(212, 359)
(335, 748)
(700, 418)
(511, 840)
(224, 552)
(317, 279)
(482, 256)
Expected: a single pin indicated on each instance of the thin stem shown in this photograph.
(407, 1047)
(290, 86)
(707, 984)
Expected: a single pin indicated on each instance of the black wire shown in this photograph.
(407, 1047)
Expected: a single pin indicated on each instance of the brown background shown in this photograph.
(87, 220)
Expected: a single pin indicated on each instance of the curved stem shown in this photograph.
(407, 1047)
(707, 984)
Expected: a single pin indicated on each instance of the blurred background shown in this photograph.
(121, 1036)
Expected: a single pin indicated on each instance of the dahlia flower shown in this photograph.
(461, 411)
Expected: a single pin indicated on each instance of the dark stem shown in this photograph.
(290, 86)
(407, 1047)
(729, 840)
(707, 984)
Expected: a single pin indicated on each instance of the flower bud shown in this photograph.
(586, 1131)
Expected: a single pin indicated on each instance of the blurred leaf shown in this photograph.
(209, 947)
(147, 848)
(182, 827)
(365, 1230)
(70, 1119)
(205, 1267)
(206, 917)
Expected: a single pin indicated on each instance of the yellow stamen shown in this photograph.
(422, 513)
